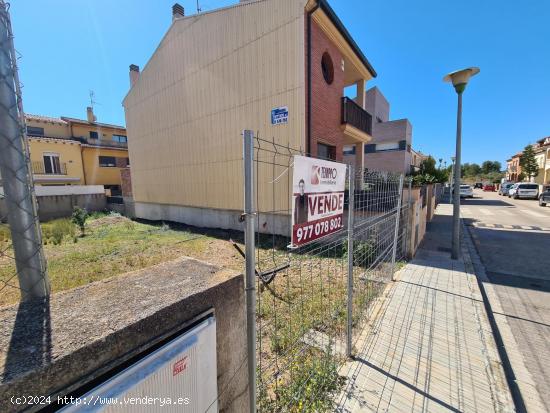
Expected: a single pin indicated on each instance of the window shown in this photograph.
(120, 138)
(51, 163)
(328, 68)
(391, 146)
(326, 151)
(107, 161)
(114, 190)
(349, 150)
(34, 131)
(94, 135)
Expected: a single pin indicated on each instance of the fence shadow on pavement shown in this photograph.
(30, 345)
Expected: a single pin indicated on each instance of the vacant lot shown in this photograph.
(112, 245)
(301, 314)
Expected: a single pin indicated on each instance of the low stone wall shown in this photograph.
(53, 348)
(419, 216)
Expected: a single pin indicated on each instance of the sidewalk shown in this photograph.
(430, 347)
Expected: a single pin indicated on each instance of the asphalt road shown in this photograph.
(513, 240)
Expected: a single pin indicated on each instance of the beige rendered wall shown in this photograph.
(97, 175)
(51, 129)
(69, 153)
(212, 76)
(104, 133)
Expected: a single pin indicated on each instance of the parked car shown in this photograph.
(524, 190)
(466, 191)
(504, 188)
(489, 188)
(544, 198)
(478, 185)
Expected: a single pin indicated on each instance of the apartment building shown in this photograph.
(542, 156)
(69, 151)
(217, 73)
(391, 146)
(513, 170)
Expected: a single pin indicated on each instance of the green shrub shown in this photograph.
(62, 228)
(79, 217)
(363, 253)
(312, 384)
(56, 231)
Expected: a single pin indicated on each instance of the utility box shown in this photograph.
(180, 376)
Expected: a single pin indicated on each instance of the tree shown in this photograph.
(429, 173)
(528, 163)
(471, 170)
(490, 166)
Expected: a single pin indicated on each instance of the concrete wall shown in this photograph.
(209, 218)
(61, 206)
(91, 330)
(418, 216)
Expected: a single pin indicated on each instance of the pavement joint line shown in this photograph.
(519, 378)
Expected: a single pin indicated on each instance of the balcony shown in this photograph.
(104, 143)
(354, 115)
(39, 168)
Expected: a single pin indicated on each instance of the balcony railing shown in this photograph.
(356, 116)
(104, 143)
(39, 168)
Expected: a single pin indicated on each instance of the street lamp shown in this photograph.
(451, 180)
(459, 79)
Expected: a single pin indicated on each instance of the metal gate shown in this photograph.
(306, 306)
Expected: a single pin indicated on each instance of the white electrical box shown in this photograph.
(180, 376)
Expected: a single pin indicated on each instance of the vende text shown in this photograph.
(325, 205)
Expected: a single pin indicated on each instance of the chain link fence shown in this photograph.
(312, 301)
(22, 263)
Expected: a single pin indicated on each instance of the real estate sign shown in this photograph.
(318, 199)
(279, 115)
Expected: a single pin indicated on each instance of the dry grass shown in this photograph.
(113, 245)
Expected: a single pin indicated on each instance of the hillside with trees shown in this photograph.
(488, 171)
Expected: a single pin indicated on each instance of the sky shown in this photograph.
(69, 47)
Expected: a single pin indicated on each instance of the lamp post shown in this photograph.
(451, 180)
(459, 79)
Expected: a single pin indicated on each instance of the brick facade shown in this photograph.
(326, 104)
(126, 178)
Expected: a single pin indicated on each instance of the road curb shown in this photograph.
(522, 386)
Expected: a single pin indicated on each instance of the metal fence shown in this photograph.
(22, 263)
(307, 305)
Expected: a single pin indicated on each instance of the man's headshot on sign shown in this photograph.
(300, 204)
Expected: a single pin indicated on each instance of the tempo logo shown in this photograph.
(179, 366)
(314, 175)
(322, 172)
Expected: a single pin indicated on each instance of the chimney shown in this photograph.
(177, 11)
(134, 74)
(90, 114)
